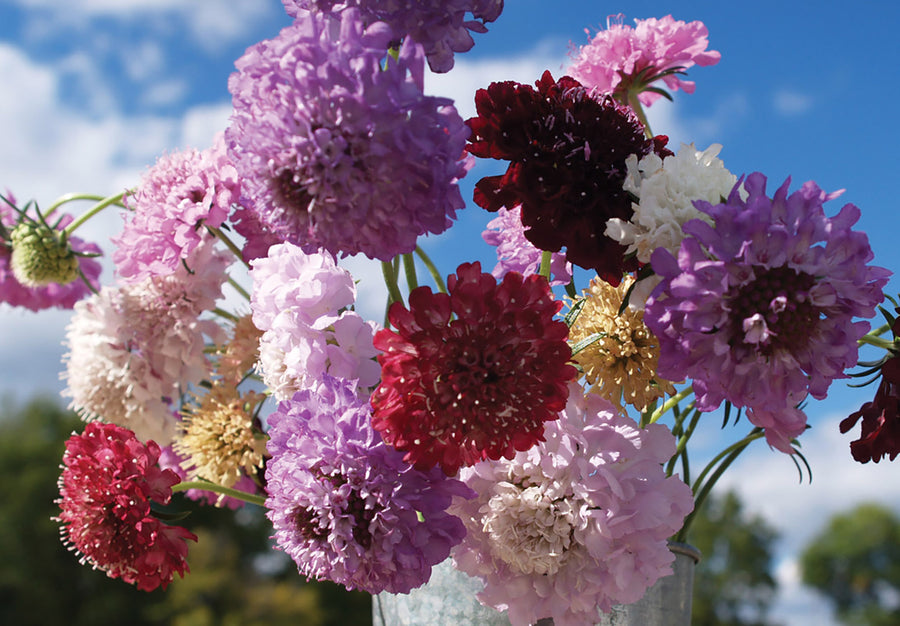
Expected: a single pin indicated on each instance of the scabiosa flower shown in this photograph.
(472, 374)
(20, 290)
(567, 151)
(135, 349)
(176, 199)
(218, 436)
(627, 61)
(108, 483)
(516, 254)
(758, 309)
(237, 357)
(441, 26)
(620, 364)
(588, 510)
(338, 152)
(345, 506)
(666, 190)
(880, 430)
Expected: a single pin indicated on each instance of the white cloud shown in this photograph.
(788, 102)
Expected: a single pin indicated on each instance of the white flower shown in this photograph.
(666, 191)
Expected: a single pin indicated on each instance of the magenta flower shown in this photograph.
(336, 151)
(177, 198)
(577, 523)
(345, 506)
(108, 483)
(472, 374)
(441, 26)
(622, 60)
(14, 293)
(758, 308)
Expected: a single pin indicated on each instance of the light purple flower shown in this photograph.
(53, 295)
(344, 505)
(758, 308)
(441, 26)
(338, 152)
(180, 195)
(577, 523)
(516, 254)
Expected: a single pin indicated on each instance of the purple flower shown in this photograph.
(344, 505)
(14, 293)
(336, 151)
(177, 197)
(516, 254)
(576, 523)
(439, 25)
(758, 308)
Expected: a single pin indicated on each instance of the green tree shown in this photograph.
(855, 562)
(733, 584)
(41, 582)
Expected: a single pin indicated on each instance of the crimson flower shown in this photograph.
(567, 149)
(472, 374)
(108, 481)
(880, 433)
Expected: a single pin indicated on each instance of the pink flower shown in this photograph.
(623, 60)
(516, 254)
(108, 482)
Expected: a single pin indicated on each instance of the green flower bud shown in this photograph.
(41, 255)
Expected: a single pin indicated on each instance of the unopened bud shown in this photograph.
(41, 256)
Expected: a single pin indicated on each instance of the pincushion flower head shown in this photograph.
(108, 483)
(345, 506)
(440, 26)
(567, 151)
(879, 435)
(474, 373)
(339, 148)
(619, 353)
(627, 61)
(41, 265)
(577, 523)
(759, 308)
(181, 196)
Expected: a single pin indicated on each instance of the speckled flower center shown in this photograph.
(306, 520)
(290, 192)
(778, 296)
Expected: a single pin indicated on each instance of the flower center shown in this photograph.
(527, 529)
(773, 310)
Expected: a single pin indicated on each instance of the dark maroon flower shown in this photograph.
(567, 149)
(108, 482)
(473, 374)
(880, 434)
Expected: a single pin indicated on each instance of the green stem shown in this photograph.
(546, 257)
(668, 404)
(237, 287)
(409, 266)
(223, 313)
(390, 280)
(887, 344)
(72, 197)
(635, 105)
(681, 448)
(228, 244)
(227, 491)
(432, 269)
(105, 202)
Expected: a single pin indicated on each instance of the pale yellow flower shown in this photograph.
(621, 364)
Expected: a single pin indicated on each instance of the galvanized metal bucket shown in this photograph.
(448, 599)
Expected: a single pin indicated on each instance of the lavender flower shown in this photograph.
(338, 152)
(344, 505)
(589, 509)
(439, 25)
(758, 309)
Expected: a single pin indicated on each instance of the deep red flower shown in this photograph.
(567, 151)
(108, 481)
(473, 374)
(880, 434)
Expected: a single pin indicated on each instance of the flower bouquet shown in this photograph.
(530, 423)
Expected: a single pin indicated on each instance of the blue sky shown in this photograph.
(95, 90)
